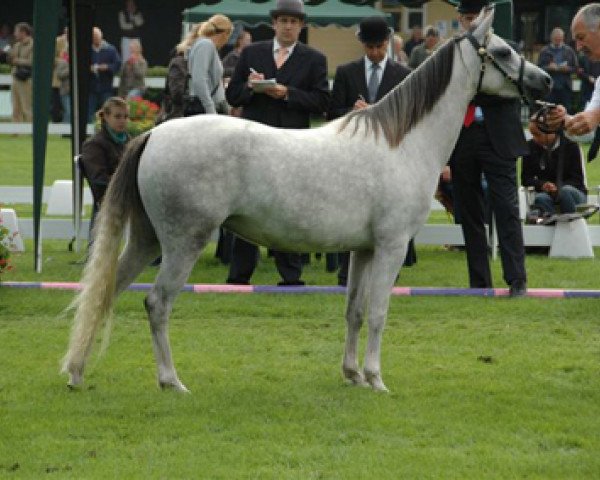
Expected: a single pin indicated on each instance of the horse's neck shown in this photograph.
(445, 121)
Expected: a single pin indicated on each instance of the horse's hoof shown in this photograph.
(355, 377)
(75, 380)
(176, 386)
(376, 383)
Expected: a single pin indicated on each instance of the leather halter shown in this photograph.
(485, 56)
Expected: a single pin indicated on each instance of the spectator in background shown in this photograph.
(20, 56)
(231, 59)
(57, 111)
(554, 167)
(399, 54)
(416, 38)
(205, 67)
(6, 41)
(64, 83)
(133, 73)
(105, 63)
(560, 61)
(130, 22)
(101, 153)
(420, 53)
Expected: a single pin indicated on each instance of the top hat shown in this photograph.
(373, 30)
(294, 8)
(471, 6)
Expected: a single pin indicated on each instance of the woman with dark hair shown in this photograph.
(101, 153)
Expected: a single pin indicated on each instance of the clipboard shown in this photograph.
(259, 86)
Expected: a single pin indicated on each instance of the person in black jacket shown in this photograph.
(101, 153)
(554, 168)
(351, 91)
(300, 88)
(490, 142)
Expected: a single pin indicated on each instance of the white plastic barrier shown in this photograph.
(60, 201)
(14, 241)
(571, 240)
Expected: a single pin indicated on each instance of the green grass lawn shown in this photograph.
(16, 157)
(480, 387)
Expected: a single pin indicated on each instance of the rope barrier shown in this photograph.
(204, 288)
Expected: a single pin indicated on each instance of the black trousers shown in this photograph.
(244, 259)
(472, 156)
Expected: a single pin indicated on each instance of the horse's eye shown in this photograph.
(503, 53)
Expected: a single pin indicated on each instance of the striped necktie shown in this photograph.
(373, 85)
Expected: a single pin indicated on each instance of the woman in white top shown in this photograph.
(204, 64)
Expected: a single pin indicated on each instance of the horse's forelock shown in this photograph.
(404, 106)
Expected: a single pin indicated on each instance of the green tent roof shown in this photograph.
(331, 12)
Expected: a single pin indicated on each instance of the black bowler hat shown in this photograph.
(471, 6)
(373, 30)
(293, 8)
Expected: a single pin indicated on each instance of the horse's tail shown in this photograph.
(94, 302)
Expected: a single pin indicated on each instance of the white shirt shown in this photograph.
(594, 103)
(276, 48)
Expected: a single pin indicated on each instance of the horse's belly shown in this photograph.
(285, 237)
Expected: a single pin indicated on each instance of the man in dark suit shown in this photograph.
(362, 82)
(300, 88)
(491, 140)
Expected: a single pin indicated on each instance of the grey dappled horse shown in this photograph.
(362, 183)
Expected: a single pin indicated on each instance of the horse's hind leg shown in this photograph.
(142, 247)
(177, 262)
(356, 300)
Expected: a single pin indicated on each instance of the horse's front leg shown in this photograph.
(385, 267)
(356, 299)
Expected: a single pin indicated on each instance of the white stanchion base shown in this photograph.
(571, 240)
(14, 242)
(61, 198)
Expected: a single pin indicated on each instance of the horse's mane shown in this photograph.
(404, 106)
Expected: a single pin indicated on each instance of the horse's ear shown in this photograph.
(483, 23)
